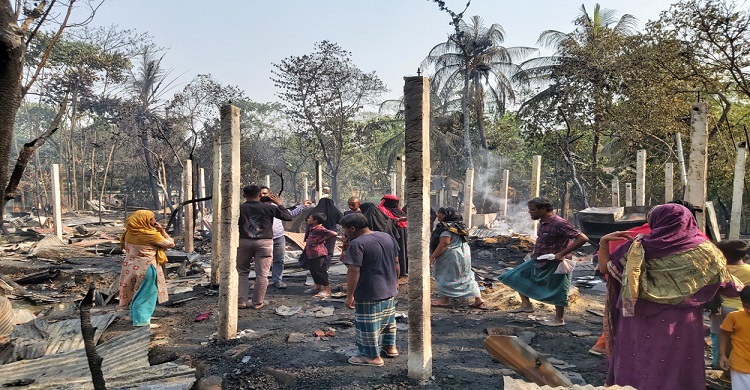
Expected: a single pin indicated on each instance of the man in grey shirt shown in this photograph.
(279, 242)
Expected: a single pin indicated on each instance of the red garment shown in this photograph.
(316, 244)
(393, 213)
(643, 229)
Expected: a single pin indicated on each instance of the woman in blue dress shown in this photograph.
(451, 261)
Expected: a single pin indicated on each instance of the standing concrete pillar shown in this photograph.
(668, 182)
(201, 194)
(681, 161)
(640, 178)
(504, 193)
(738, 187)
(230, 205)
(318, 181)
(268, 181)
(216, 214)
(468, 196)
(187, 210)
(628, 194)
(393, 177)
(615, 192)
(417, 136)
(698, 162)
(536, 177)
(56, 201)
(400, 174)
(306, 186)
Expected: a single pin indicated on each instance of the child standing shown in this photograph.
(316, 252)
(737, 326)
(736, 252)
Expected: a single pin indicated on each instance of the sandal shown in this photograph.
(242, 306)
(390, 355)
(258, 306)
(439, 304)
(360, 361)
(322, 295)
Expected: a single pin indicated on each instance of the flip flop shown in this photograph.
(594, 352)
(439, 304)
(258, 306)
(358, 361)
(481, 306)
(390, 355)
(242, 306)
(550, 323)
(322, 295)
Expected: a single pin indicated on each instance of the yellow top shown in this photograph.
(738, 322)
(741, 272)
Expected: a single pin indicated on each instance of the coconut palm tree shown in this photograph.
(475, 59)
(570, 51)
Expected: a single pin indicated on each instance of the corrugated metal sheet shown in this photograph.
(519, 384)
(39, 338)
(86, 221)
(125, 365)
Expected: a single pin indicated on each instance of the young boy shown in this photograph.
(736, 252)
(737, 326)
(316, 252)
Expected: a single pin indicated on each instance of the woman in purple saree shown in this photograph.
(657, 285)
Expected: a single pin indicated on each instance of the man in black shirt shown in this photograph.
(256, 242)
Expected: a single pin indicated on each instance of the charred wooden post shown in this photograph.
(698, 162)
(738, 188)
(216, 214)
(88, 332)
(615, 192)
(417, 136)
(640, 178)
(468, 196)
(56, 201)
(230, 212)
(187, 194)
(628, 194)
(504, 189)
(668, 182)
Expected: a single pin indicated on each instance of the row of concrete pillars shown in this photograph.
(415, 172)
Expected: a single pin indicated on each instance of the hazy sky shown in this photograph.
(236, 41)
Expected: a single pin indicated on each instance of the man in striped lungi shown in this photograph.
(372, 285)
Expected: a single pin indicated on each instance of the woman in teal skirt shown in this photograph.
(451, 261)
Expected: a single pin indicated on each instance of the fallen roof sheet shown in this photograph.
(519, 384)
(39, 338)
(125, 365)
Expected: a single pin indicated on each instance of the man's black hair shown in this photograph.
(320, 217)
(251, 191)
(745, 296)
(357, 221)
(541, 203)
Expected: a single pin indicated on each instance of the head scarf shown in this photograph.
(389, 206)
(673, 230)
(377, 220)
(333, 214)
(138, 231)
(453, 222)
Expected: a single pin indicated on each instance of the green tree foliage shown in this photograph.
(324, 91)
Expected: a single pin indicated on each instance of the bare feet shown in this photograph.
(555, 322)
(522, 309)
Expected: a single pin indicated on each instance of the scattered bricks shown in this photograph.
(284, 378)
(237, 352)
(295, 338)
(210, 383)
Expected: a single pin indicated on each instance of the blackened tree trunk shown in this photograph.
(12, 51)
(151, 169)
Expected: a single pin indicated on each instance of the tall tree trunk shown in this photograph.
(465, 113)
(151, 169)
(12, 50)
(75, 204)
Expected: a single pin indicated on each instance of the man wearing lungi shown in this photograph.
(371, 284)
(539, 279)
